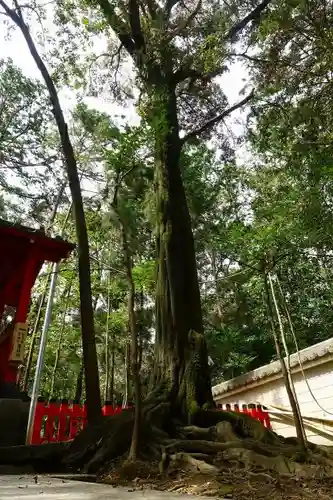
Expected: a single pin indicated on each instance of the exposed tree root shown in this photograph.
(192, 463)
(215, 438)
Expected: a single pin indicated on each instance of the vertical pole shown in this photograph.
(41, 353)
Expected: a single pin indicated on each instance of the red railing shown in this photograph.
(57, 421)
(255, 411)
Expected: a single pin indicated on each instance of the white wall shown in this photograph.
(273, 393)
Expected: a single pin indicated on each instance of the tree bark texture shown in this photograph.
(181, 353)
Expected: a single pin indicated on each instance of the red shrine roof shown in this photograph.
(16, 245)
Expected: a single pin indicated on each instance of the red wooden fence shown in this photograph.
(57, 421)
(255, 411)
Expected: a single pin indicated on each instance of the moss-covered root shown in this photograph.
(243, 426)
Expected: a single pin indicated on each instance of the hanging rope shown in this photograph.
(297, 349)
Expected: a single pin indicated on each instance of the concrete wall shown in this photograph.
(271, 391)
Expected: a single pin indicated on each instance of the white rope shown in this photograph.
(298, 352)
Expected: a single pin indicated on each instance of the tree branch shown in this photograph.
(9, 12)
(255, 14)
(193, 74)
(18, 9)
(252, 16)
(184, 23)
(217, 119)
(249, 58)
(119, 181)
(118, 26)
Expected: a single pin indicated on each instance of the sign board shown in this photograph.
(19, 336)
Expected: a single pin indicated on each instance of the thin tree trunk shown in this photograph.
(293, 405)
(283, 338)
(128, 261)
(62, 328)
(79, 384)
(286, 308)
(140, 352)
(128, 393)
(141, 335)
(41, 300)
(56, 206)
(87, 317)
(80, 375)
(107, 353)
(111, 387)
(135, 443)
(215, 275)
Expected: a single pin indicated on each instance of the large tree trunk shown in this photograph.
(87, 316)
(181, 359)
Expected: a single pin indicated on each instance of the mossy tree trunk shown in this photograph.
(181, 360)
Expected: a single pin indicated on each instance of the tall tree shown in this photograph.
(86, 307)
(177, 53)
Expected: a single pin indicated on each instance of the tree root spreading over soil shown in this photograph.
(231, 481)
(220, 454)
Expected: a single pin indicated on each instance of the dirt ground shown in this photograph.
(231, 482)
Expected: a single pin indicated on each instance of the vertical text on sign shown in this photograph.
(19, 336)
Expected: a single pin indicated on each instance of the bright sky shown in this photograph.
(15, 48)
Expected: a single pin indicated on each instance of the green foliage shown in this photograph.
(278, 202)
(144, 276)
(26, 142)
